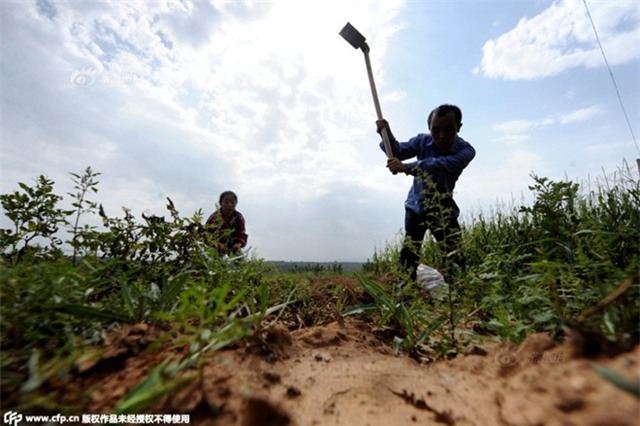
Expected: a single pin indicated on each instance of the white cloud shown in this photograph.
(500, 180)
(561, 38)
(191, 98)
(513, 139)
(517, 128)
(601, 150)
(581, 115)
(187, 99)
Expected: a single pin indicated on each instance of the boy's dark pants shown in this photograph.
(446, 233)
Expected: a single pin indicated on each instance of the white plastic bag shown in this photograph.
(228, 259)
(429, 278)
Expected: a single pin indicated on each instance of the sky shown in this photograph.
(186, 99)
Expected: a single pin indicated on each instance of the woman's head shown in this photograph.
(228, 201)
(228, 194)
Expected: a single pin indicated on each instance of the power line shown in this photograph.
(624, 111)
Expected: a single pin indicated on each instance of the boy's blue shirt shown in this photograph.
(442, 167)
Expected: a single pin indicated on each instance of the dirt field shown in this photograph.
(343, 372)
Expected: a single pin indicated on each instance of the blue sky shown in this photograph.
(188, 99)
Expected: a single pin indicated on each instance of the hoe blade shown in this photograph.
(354, 38)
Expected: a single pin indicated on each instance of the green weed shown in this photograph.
(531, 268)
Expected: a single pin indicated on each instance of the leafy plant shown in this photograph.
(528, 269)
(82, 237)
(409, 315)
(36, 216)
(162, 380)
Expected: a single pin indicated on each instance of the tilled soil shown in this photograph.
(344, 373)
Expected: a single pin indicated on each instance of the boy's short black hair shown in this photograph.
(443, 110)
(227, 193)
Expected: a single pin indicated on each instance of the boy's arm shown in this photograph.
(453, 163)
(401, 150)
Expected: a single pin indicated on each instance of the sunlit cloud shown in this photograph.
(515, 139)
(187, 99)
(502, 180)
(519, 126)
(581, 115)
(516, 128)
(562, 38)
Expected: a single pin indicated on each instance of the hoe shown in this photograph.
(357, 40)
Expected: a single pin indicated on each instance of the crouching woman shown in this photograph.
(226, 227)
